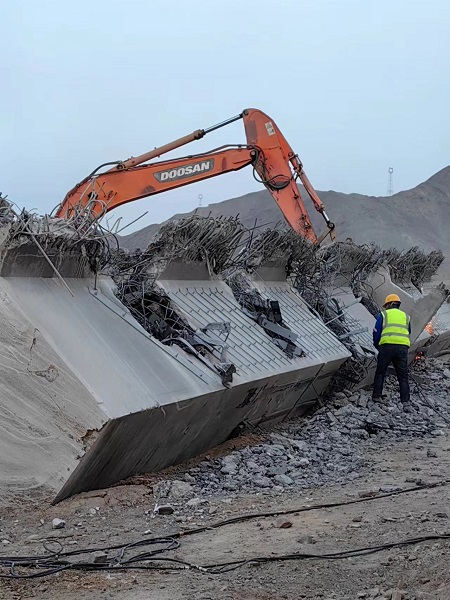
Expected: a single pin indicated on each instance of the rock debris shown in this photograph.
(329, 446)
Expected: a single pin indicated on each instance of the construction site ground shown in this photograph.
(125, 514)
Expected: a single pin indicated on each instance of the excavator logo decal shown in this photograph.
(270, 128)
(186, 171)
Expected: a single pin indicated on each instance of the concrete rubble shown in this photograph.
(115, 364)
(327, 447)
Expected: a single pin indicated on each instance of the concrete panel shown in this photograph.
(357, 318)
(249, 347)
(163, 405)
(122, 367)
(24, 259)
(441, 321)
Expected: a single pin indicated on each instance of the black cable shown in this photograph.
(57, 566)
(58, 561)
(54, 563)
(232, 565)
(291, 511)
(234, 520)
(268, 182)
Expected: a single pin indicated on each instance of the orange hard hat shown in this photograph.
(392, 298)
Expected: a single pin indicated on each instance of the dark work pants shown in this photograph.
(398, 356)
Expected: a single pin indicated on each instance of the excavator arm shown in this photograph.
(267, 151)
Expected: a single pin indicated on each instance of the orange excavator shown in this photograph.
(266, 150)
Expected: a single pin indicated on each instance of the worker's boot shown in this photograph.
(407, 406)
(380, 399)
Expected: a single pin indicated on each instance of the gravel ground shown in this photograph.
(348, 450)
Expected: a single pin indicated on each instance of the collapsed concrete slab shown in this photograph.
(132, 398)
(282, 354)
(160, 405)
(249, 346)
(356, 324)
(378, 285)
(172, 357)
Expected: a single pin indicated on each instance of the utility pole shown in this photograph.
(200, 198)
(390, 188)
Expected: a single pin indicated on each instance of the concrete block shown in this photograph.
(149, 405)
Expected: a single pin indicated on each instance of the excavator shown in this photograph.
(274, 163)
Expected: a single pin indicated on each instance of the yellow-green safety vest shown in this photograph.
(395, 328)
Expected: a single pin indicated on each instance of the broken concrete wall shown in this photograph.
(267, 387)
(196, 364)
(146, 404)
(440, 323)
(379, 285)
(32, 246)
(352, 263)
(437, 341)
(124, 370)
(158, 395)
(348, 273)
(152, 439)
(436, 346)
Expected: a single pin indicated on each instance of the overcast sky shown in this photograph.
(356, 86)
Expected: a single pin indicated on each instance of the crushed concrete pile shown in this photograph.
(327, 447)
(412, 265)
(191, 240)
(36, 246)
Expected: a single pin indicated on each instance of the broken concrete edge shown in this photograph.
(436, 346)
(43, 246)
(414, 265)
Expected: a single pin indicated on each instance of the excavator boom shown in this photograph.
(266, 150)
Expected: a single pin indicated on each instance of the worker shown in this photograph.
(391, 337)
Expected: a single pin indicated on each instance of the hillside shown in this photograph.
(416, 217)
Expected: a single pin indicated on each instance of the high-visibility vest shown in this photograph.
(395, 327)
